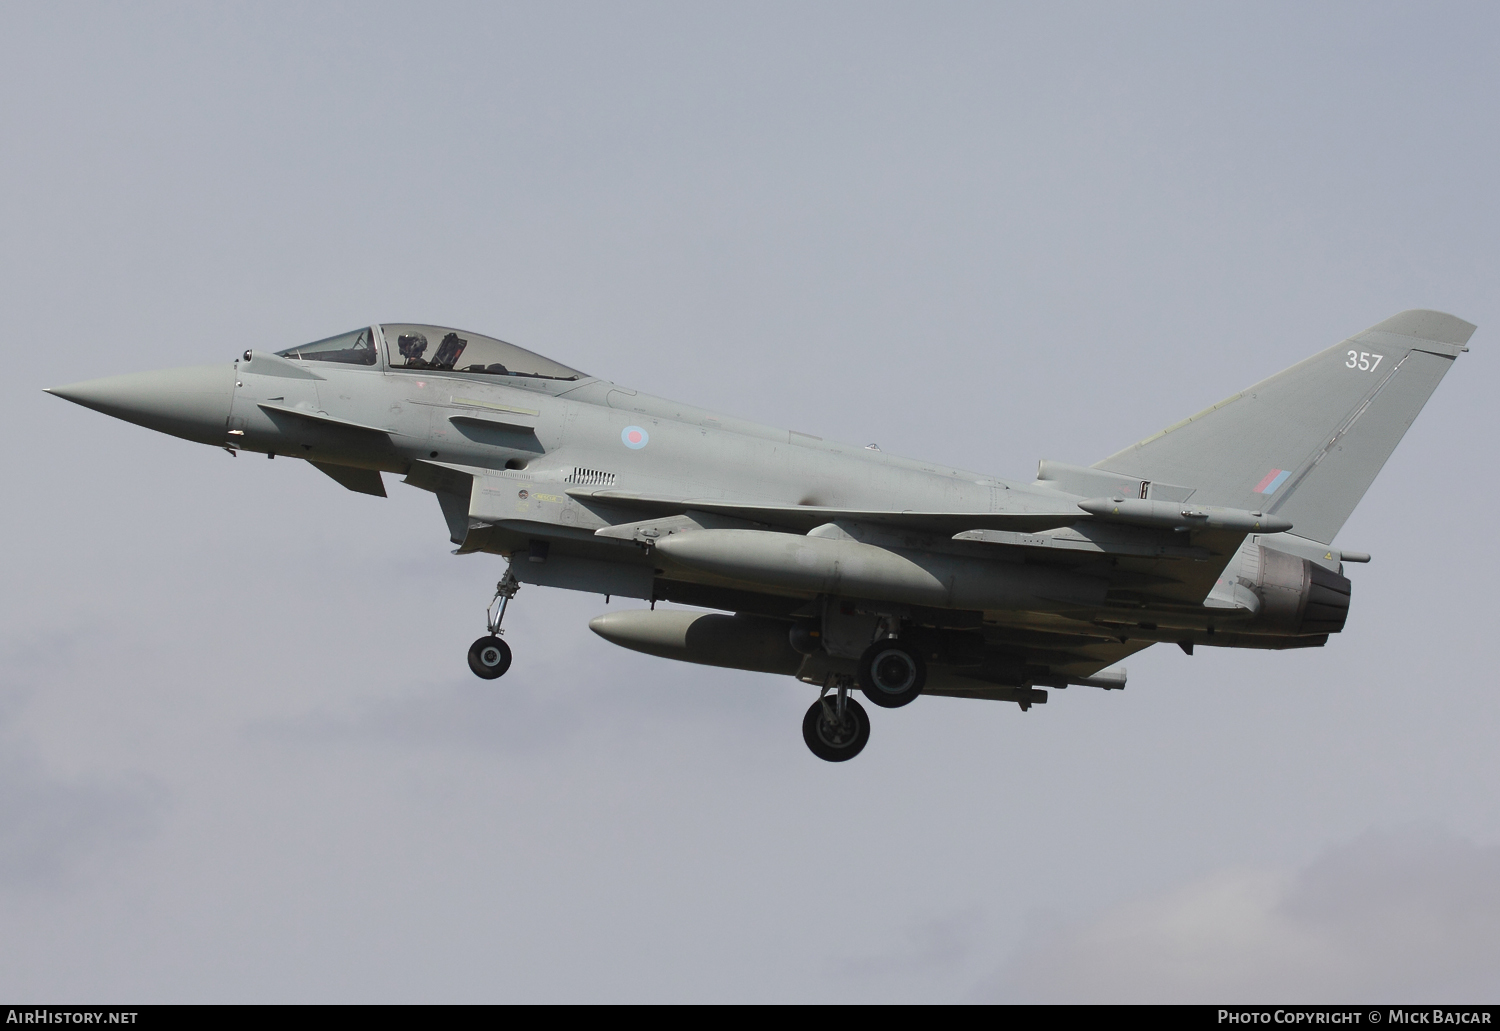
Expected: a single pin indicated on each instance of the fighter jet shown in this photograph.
(836, 564)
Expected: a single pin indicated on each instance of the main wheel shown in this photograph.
(835, 740)
(891, 674)
(489, 657)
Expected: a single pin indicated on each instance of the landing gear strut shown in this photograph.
(489, 657)
(836, 728)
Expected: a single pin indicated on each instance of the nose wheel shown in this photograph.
(489, 657)
(836, 728)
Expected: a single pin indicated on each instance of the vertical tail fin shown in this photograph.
(1307, 443)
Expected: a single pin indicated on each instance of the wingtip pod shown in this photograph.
(1107, 679)
(1177, 516)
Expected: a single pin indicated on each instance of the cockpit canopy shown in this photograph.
(437, 347)
(410, 346)
(356, 347)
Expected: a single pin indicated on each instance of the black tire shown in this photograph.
(891, 674)
(489, 658)
(836, 743)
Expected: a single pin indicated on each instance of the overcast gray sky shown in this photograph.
(241, 757)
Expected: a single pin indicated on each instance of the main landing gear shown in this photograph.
(836, 728)
(891, 671)
(892, 674)
(489, 657)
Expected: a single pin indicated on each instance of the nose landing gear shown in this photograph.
(489, 657)
(836, 728)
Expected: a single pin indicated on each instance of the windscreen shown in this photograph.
(414, 347)
(356, 347)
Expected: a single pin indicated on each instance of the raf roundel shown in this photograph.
(634, 437)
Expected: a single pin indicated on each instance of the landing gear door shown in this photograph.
(846, 632)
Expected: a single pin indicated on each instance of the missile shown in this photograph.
(848, 568)
(1174, 515)
(710, 638)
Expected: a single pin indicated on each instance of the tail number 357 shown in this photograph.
(1364, 361)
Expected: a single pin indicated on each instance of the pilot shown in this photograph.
(412, 346)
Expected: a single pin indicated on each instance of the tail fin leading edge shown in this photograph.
(1307, 443)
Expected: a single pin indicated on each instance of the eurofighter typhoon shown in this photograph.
(837, 564)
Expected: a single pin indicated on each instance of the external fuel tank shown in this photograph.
(848, 568)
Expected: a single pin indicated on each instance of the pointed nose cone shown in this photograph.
(192, 402)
